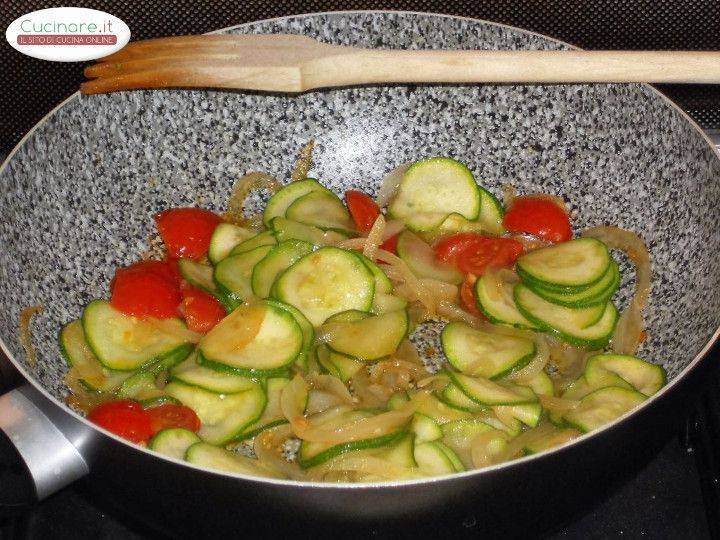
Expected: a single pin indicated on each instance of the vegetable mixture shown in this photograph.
(284, 345)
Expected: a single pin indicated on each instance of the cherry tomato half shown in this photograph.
(170, 415)
(146, 289)
(202, 311)
(123, 417)
(363, 209)
(467, 296)
(187, 231)
(540, 217)
(472, 253)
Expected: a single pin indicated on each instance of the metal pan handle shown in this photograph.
(48, 449)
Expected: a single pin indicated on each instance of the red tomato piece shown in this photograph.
(363, 209)
(472, 253)
(467, 296)
(540, 217)
(146, 289)
(170, 415)
(202, 311)
(187, 231)
(390, 244)
(123, 417)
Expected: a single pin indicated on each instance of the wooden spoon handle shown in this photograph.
(363, 66)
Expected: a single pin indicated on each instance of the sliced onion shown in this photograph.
(390, 184)
(392, 227)
(537, 364)
(333, 385)
(352, 243)
(367, 464)
(303, 163)
(453, 312)
(292, 403)
(235, 212)
(423, 295)
(630, 327)
(487, 447)
(26, 334)
(268, 450)
(374, 238)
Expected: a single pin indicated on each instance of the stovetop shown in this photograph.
(676, 495)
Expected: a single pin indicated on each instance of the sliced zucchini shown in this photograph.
(459, 435)
(173, 442)
(382, 282)
(397, 400)
(491, 212)
(254, 340)
(645, 377)
(325, 282)
(286, 229)
(442, 413)
(425, 428)
(198, 275)
(212, 457)
(349, 316)
(265, 238)
(487, 392)
(541, 384)
(434, 459)
(420, 258)
(599, 293)
(454, 397)
(495, 299)
(371, 338)
(384, 303)
(308, 332)
(340, 365)
(140, 386)
(602, 407)
(564, 321)
(433, 188)
(509, 425)
(221, 382)
(272, 415)
(529, 413)
(223, 417)
(224, 238)
(479, 353)
(571, 266)
(233, 275)
(322, 209)
(157, 401)
(555, 437)
(280, 201)
(124, 343)
(84, 364)
(277, 260)
(400, 453)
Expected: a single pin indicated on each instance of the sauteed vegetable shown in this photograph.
(427, 332)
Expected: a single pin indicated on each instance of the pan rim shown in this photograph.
(583, 439)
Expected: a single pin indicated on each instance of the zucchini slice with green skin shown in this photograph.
(141, 385)
(157, 401)
(511, 426)
(382, 282)
(454, 397)
(600, 293)
(233, 275)
(369, 339)
(487, 392)
(223, 416)
(265, 238)
(561, 321)
(281, 201)
(420, 258)
(212, 457)
(349, 316)
(434, 459)
(602, 407)
(193, 374)
(433, 188)
(325, 282)
(272, 415)
(308, 332)
(255, 340)
(384, 303)
(425, 428)
(340, 365)
(645, 377)
(224, 239)
(478, 353)
(439, 411)
(541, 384)
(173, 442)
(198, 275)
(322, 209)
(459, 435)
(81, 360)
(286, 229)
(125, 343)
(556, 437)
(491, 212)
(401, 453)
(495, 299)
(278, 259)
(529, 413)
(397, 400)
(570, 266)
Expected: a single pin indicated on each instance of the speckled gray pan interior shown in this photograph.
(77, 197)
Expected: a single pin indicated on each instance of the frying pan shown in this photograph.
(79, 190)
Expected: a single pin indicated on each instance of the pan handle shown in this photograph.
(42, 452)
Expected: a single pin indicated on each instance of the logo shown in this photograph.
(67, 34)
